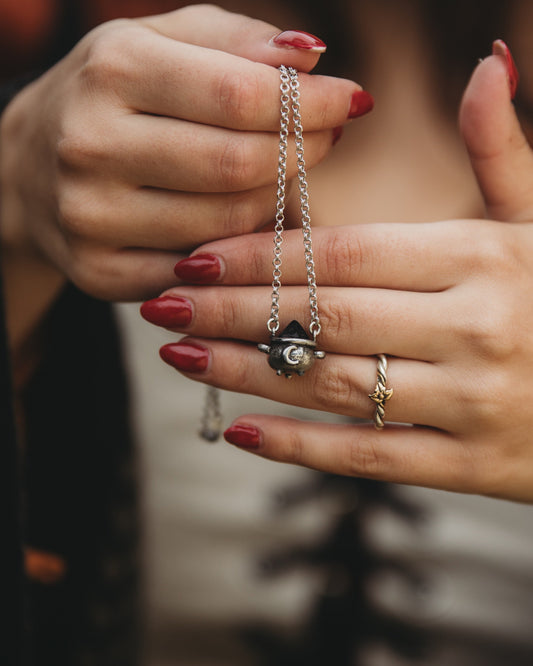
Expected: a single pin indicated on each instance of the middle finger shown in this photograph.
(358, 321)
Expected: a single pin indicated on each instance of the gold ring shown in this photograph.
(381, 392)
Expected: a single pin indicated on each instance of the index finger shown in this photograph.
(414, 257)
(164, 77)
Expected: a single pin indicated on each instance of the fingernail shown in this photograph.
(168, 311)
(337, 133)
(297, 39)
(201, 268)
(499, 47)
(243, 436)
(185, 356)
(362, 102)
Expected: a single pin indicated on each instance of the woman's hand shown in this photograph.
(449, 303)
(151, 137)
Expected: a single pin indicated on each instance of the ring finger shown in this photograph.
(339, 384)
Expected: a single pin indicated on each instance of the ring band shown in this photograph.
(381, 392)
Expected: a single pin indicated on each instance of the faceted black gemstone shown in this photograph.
(295, 331)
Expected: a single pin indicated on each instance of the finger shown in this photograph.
(179, 155)
(125, 275)
(160, 76)
(500, 154)
(415, 456)
(423, 393)
(418, 257)
(166, 220)
(215, 28)
(353, 321)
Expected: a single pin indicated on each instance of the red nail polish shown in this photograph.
(200, 269)
(168, 311)
(185, 356)
(337, 133)
(297, 39)
(362, 102)
(246, 437)
(499, 47)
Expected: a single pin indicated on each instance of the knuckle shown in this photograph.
(295, 448)
(239, 98)
(242, 214)
(490, 473)
(108, 57)
(236, 165)
(71, 211)
(77, 150)
(200, 11)
(228, 312)
(326, 110)
(492, 333)
(81, 213)
(332, 390)
(365, 458)
(342, 257)
(486, 398)
(93, 270)
(468, 471)
(336, 318)
(494, 250)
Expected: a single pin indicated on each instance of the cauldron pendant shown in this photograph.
(293, 351)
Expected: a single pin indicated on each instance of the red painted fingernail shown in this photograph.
(499, 47)
(246, 437)
(185, 356)
(362, 102)
(168, 311)
(200, 269)
(297, 39)
(337, 133)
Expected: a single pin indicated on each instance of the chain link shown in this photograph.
(290, 101)
(285, 88)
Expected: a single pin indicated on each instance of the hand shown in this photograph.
(449, 303)
(151, 137)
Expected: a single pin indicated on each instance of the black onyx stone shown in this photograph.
(294, 331)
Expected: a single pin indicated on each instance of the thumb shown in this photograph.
(499, 152)
(216, 28)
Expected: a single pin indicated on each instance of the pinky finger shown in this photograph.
(401, 454)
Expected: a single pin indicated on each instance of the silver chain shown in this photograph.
(290, 101)
(211, 423)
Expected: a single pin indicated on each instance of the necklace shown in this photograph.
(293, 351)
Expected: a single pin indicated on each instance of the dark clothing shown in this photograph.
(70, 490)
(68, 485)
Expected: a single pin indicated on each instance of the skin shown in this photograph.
(151, 137)
(110, 199)
(448, 302)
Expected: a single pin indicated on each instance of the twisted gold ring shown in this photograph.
(381, 392)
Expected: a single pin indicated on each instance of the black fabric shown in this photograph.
(11, 577)
(73, 491)
(80, 491)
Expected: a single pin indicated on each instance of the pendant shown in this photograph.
(292, 352)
